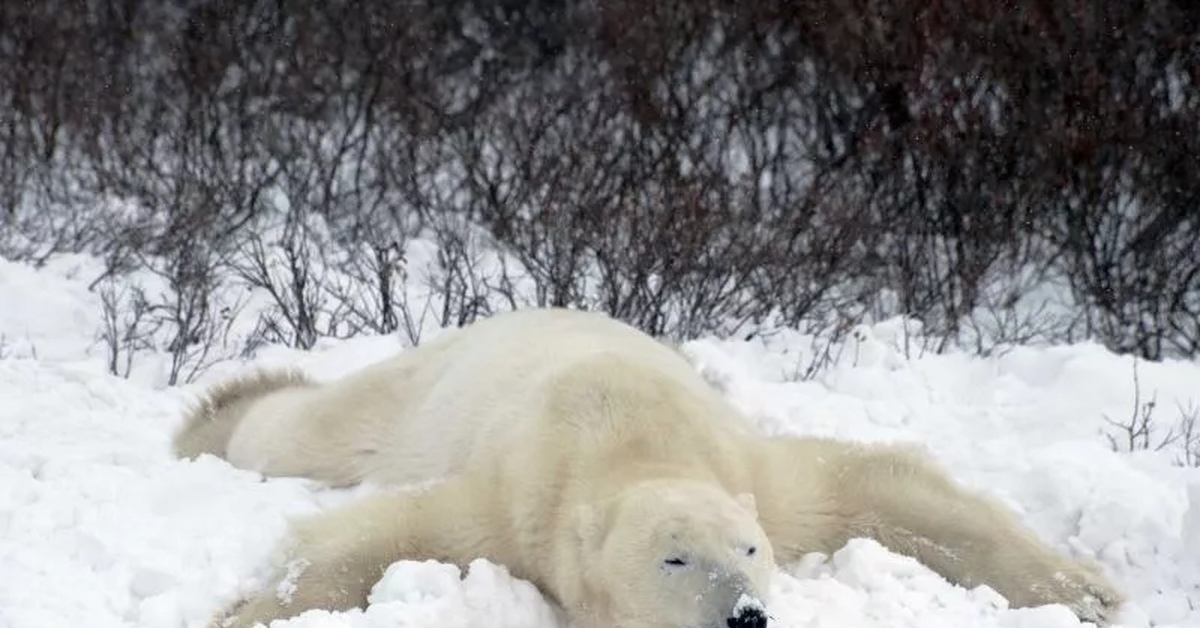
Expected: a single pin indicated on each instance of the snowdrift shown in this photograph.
(100, 527)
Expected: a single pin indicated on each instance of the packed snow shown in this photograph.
(100, 527)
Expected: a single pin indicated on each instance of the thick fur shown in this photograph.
(578, 451)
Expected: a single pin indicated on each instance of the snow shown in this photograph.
(100, 527)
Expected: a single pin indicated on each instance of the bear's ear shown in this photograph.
(746, 500)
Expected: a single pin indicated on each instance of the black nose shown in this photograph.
(749, 617)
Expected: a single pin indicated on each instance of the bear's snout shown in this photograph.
(748, 617)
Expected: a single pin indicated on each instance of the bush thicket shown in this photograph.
(691, 166)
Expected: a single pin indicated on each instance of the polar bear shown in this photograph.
(595, 462)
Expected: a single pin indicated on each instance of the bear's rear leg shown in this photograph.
(210, 424)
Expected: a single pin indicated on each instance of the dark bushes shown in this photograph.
(689, 166)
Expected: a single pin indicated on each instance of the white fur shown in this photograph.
(582, 454)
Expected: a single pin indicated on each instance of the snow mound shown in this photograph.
(100, 527)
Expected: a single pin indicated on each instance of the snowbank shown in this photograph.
(100, 527)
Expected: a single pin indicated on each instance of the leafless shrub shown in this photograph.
(996, 327)
(197, 324)
(1021, 305)
(177, 308)
(1138, 432)
(1188, 428)
(128, 327)
(1141, 432)
(825, 349)
(460, 287)
(691, 167)
(370, 287)
(286, 271)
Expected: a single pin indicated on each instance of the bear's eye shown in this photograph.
(676, 562)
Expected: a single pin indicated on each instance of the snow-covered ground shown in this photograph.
(100, 527)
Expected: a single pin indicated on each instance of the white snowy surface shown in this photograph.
(100, 527)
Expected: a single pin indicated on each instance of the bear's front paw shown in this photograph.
(1097, 602)
(1083, 589)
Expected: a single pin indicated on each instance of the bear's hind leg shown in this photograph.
(898, 498)
(210, 424)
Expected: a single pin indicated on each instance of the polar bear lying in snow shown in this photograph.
(594, 461)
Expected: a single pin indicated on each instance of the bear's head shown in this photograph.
(676, 554)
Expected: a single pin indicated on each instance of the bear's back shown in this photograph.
(486, 391)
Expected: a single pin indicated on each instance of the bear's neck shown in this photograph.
(633, 473)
